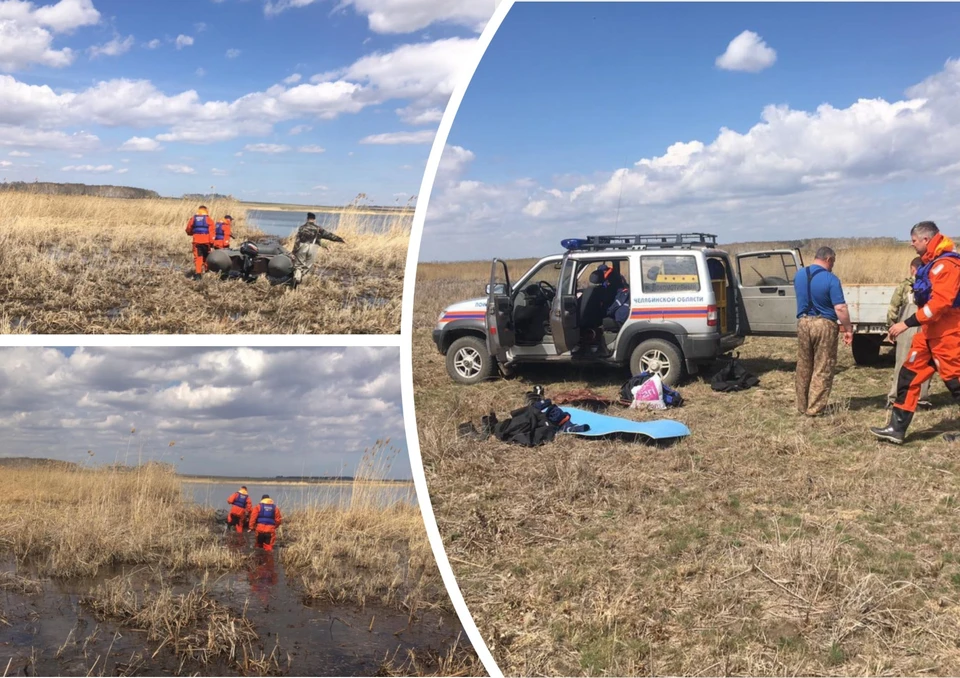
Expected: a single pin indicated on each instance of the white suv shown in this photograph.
(687, 307)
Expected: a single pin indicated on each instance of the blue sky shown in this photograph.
(229, 411)
(567, 94)
(274, 100)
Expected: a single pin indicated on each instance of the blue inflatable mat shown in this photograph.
(605, 425)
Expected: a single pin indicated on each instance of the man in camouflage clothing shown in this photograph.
(820, 306)
(902, 306)
(307, 244)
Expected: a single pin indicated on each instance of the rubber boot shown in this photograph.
(896, 429)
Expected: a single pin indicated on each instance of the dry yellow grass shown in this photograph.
(82, 264)
(763, 544)
(856, 263)
(371, 548)
(70, 523)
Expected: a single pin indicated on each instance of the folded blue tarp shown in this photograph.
(605, 425)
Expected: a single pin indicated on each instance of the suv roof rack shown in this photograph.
(645, 241)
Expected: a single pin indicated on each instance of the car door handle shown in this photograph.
(768, 290)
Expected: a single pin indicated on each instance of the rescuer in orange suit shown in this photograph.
(222, 235)
(239, 508)
(936, 347)
(265, 519)
(202, 228)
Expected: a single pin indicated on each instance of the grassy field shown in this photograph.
(764, 544)
(88, 265)
(130, 541)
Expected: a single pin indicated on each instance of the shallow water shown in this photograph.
(283, 223)
(51, 633)
(215, 494)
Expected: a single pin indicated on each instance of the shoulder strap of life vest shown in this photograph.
(810, 277)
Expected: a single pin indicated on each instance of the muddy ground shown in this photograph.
(59, 628)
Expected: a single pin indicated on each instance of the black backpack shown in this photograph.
(732, 377)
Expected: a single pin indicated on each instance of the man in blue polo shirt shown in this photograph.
(820, 306)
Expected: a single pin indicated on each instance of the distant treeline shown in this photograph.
(812, 244)
(208, 197)
(52, 188)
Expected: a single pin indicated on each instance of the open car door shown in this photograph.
(565, 309)
(768, 299)
(499, 317)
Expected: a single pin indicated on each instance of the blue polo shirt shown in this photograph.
(825, 289)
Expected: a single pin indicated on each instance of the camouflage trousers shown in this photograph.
(817, 340)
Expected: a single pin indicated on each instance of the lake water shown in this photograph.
(283, 224)
(215, 495)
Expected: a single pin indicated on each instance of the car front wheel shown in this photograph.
(468, 361)
(657, 356)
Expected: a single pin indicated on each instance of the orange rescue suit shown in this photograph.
(266, 528)
(222, 234)
(202, 228)
(239, 509)
(936, 347)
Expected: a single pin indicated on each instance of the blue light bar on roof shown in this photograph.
(573, 243)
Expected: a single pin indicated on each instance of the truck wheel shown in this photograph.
(866, 348)
(468, 361)
(657, 356)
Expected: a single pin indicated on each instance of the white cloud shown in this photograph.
(311, 149)
(274, 7)
(18, 154)
(218, 172)
(747, 52)
(200, 27)
(87, 168)
(153, 44)
(233, 53)
(140, 144)
(292, 79)
(266, 148)
(115, 47)
(789, 169)
(300, 129)
(406, 16)
(414, 116)
(183, 41)
(27, 138)
(393, 138)
(123, 170)
(5, 163)
(201, 72)
(319, 187)
(211, 403)
(422, 73)
(64, 16)
(27, 33)
(180, 169)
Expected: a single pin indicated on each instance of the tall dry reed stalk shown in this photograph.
(373, 547)
(77, 522)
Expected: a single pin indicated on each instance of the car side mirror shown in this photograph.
(499, 289)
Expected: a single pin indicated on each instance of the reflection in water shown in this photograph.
(263, 575)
